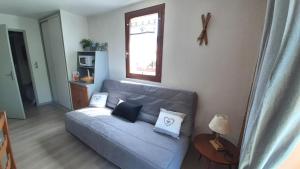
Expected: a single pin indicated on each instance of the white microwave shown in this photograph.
(85, 60)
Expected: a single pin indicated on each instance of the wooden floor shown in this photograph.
(41, 142)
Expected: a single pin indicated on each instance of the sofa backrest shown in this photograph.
(153, 98)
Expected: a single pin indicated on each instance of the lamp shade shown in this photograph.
(220, 124)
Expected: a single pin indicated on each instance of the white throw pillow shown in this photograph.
(169, 122)
(98, 100)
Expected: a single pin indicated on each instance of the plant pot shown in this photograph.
(87, 49)
(93, 48)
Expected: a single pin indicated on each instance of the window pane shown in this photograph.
(143, 44)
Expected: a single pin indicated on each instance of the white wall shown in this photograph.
(36, 53)
(74, 28)
(221, 73)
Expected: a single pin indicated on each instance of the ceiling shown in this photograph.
(40, 8)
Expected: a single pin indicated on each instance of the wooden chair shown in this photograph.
(5, 149)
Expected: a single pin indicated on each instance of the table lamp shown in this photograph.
(220, 125)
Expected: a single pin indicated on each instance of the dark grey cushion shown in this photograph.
(127, 111)
(128, 145)
(153, 98)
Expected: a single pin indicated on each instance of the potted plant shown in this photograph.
(86, 44)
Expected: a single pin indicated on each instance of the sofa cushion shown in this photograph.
(153, 98)
(98, 100)
(169, 123)
(128, 145)
(127, 111)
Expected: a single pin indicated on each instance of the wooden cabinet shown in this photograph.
(80, 97)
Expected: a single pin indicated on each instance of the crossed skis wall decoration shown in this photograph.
(203, 36)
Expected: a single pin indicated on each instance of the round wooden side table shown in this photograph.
(227, 157)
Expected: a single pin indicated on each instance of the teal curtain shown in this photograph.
(273, 123)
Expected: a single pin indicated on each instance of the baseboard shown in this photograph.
(43, 104)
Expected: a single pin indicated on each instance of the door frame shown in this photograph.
(30, 64)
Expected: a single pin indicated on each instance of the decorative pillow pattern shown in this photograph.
(98, 100)
(169, 122)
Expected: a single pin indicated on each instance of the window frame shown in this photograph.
(160, 9)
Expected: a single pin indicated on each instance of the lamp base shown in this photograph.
(216, 144)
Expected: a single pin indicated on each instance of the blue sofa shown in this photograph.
(135, 145)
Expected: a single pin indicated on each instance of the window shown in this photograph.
(144, 43)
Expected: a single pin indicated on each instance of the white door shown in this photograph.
(50, 64)
(10, 97)
(56, 60)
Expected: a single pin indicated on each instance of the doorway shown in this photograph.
(21, 65)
